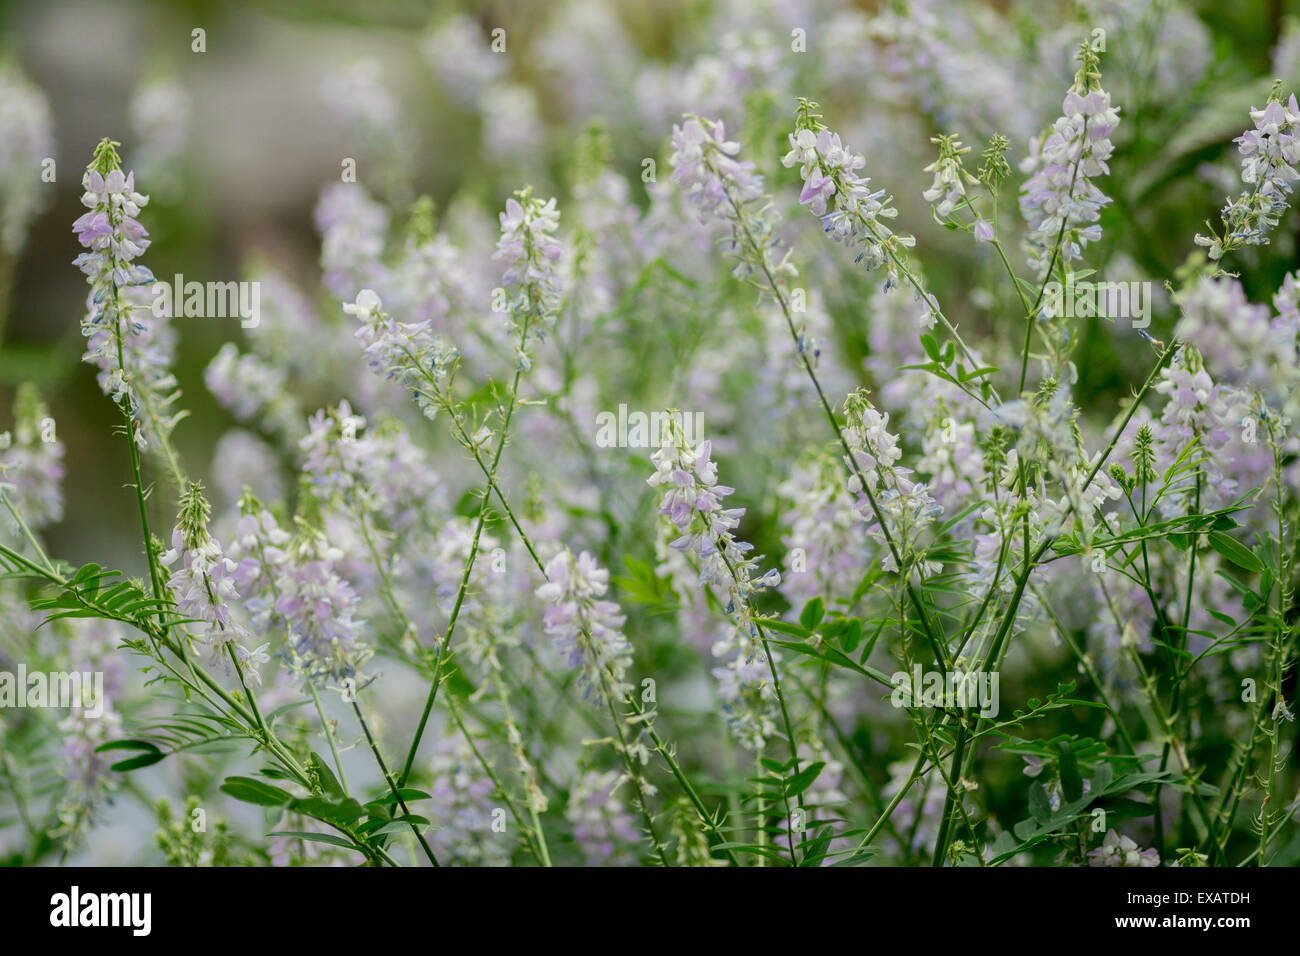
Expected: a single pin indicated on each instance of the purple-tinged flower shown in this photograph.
(407, 353)
(91, 649)
(692, 501)
(318, 607)
(1270, 154)
(31, 465)
(1060, 202)
(127, 337)
(584, 626)
(465, 806)
(603, 827)
(705, 166)
(905, 505)
(353, 229)
(531, 254)
(850, 211)
(1117, 850)
(203, 584)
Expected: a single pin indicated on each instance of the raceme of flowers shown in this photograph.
(447, 624)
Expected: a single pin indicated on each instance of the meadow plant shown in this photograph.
(421, 616)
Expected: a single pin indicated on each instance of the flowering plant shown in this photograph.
(1002, 571)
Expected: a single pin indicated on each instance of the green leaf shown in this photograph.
(1040, 805)
(1071, 782)
(931, 346)
(136, 763)
(251, 790)
(329, 838)
(408, 795)
(130, 744)
(813, 612)
(403, 825)
(852, 636)
(342, 812)
(803, 779)
(785, 627)
(328, 782)
(1235, 551)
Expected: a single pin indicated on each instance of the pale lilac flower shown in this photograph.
(407, 353)
(318, 608)
(692, 501)
(1270, 154)
(31, 468)
(334, 453)
(259, 548)
(253, 390)
(93, 648)
(242, 460)
(825, 550)
(465, 807)
(203, 584)
(121, 321)
(905, 505)
(705, 167)
(584, 626)
(531, 254)
(603, 827)
(851, 212)
(1117, 850)
(1060, 202)
(353, 229)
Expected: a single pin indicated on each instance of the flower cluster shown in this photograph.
(531, 254)
(878, 482)
(91, 649)
(31, 464)
(723, 188)
(825, 547)
(470, 832)
(585, 627)
(1060, 202)
(407, 353)
(1121, 528)
(126, 339)
(605, 830)
(705, 167)
(1270, 153)
(252, 389)
(318, 607)
(1117, 850)
(692, 501)
(204, 585)
(950, 177)
(851, 212)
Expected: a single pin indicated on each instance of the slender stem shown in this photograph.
(444, 649)
(329, 732)
(392, 784)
